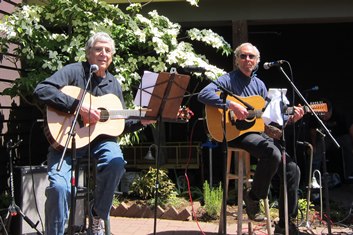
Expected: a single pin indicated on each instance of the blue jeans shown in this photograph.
(270, 164)
(110, 169)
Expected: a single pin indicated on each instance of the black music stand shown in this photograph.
(165, 100)
(166, 97)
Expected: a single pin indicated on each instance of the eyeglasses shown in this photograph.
(101, 49)
(244, 56)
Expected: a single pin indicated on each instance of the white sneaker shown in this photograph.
(314, 183)
(95, 224)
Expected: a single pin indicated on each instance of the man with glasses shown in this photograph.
(100, 49)
(243, 82)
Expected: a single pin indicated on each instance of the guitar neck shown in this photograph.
(124, 113)
(317, 108)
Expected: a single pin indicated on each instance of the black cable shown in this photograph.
(32, 173)
(345, 218)
(3, 225)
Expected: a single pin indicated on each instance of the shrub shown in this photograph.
(144, 185)
(213, 199)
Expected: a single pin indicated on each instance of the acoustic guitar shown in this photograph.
(111, 123)
(253, 123)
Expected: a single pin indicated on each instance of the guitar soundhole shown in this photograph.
(244, 124)
(104, 115)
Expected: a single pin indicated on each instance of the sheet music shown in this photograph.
(144, 93)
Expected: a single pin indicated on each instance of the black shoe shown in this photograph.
(292, 229)
(253, 208)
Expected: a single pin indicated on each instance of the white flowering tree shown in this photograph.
(53, 34)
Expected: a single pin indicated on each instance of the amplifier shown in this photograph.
(30, 183)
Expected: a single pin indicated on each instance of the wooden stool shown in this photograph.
(243, 159)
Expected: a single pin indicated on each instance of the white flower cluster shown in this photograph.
(210, 38)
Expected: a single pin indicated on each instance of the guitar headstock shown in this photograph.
(185, 113)
(319, 107)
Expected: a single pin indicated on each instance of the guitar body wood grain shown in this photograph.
(254, 123)
(59, 123)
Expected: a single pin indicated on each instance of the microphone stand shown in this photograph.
(71, 135)
(225, 153)
(284, 169)
(324, 162)
(326, 175)
(14, 209)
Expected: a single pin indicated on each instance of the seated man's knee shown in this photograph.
(118, 164)
(293, 169)
(58, 188)
(275, 159)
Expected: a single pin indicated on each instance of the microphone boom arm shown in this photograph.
(309, 107)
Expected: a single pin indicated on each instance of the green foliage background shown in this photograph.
(42, 38)
(52, 34)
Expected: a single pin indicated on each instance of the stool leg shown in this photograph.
(268, 217)
(229, 161)
(107, 226)
(247, 169)
(240, 192)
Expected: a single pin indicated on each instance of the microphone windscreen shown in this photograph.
(94, 68)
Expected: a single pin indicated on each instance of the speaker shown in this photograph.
(30, 184)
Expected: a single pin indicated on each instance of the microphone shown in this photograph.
(268, 65)
(194, 69)
(94, 68)
(314, 88)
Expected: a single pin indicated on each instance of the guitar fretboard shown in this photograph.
(123, 113)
